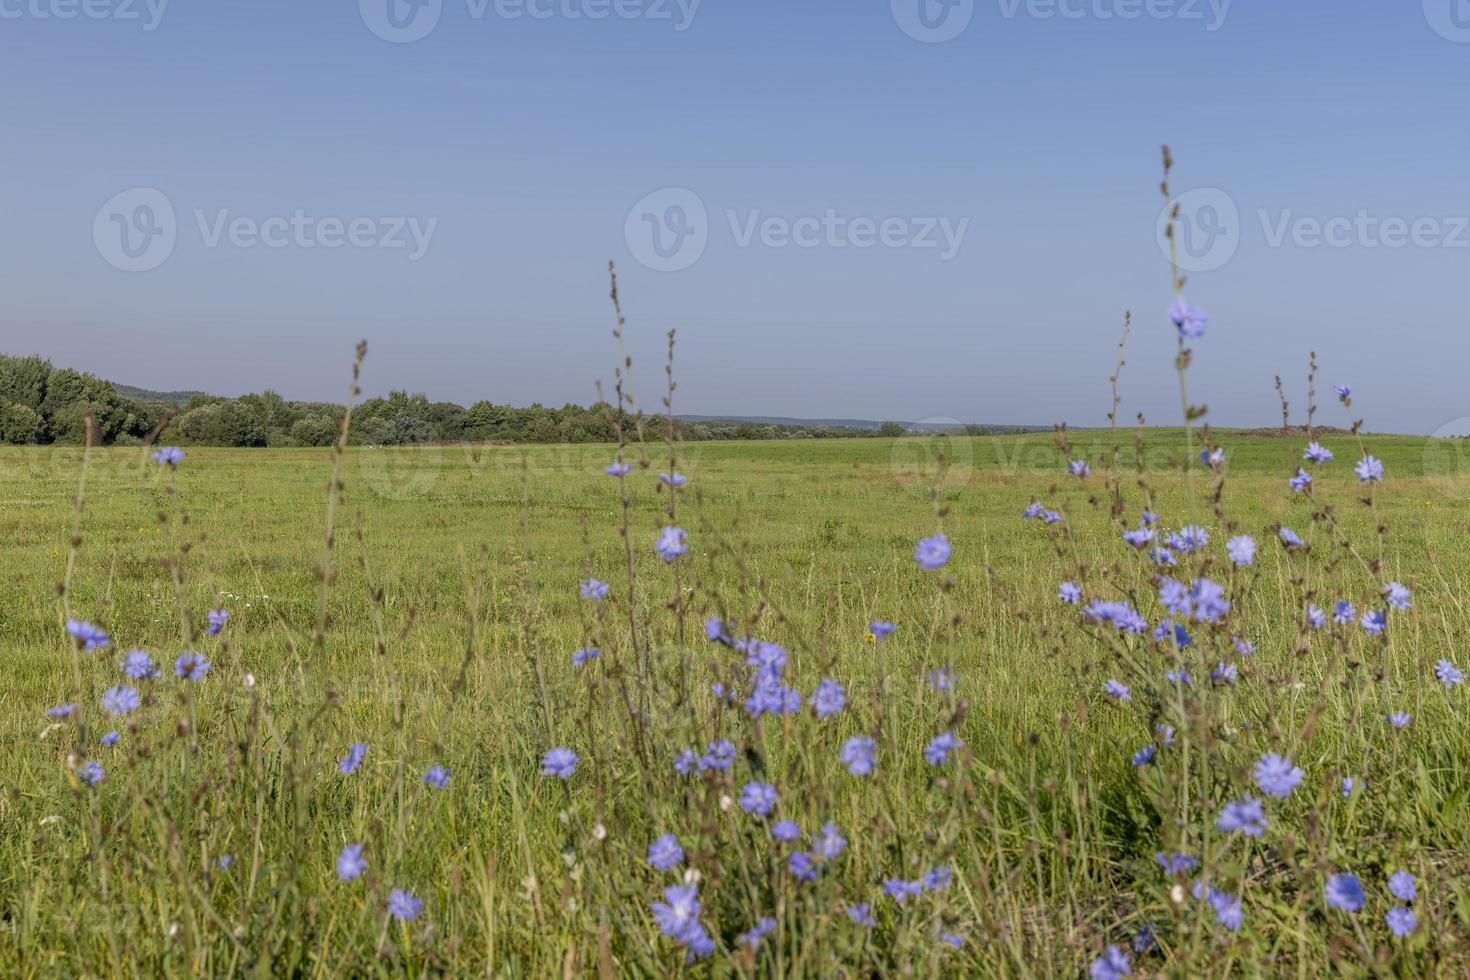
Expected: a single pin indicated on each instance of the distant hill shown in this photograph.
(863, 424)
(166, 397)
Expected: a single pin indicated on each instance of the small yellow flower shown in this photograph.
(870, 638)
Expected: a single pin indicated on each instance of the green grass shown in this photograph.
(451, 614)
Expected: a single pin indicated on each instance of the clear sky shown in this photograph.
(894, 225)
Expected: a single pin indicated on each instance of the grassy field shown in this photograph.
(444, 636)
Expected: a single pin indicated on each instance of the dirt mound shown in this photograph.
(1296, 430)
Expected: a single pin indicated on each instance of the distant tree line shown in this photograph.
(41, 404)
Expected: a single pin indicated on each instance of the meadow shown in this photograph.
(1003, 826)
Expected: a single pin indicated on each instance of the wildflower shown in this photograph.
(1241, 549)
(437, 777)
(714, 629)
(685, 761)
(1112, 964)
(63, 710)
(1212, 457)
(1343, 391)
(1116, 613)
(937, 878)
(932, 552)
(719, 754)
(110, 739)
(678, 915)
(1079, 468)
(1144, 755)
(120, 700)
(619, 468)
(763, 927)
(191, 666)
(1244, 647)
(831, 842)
(1176, 863)
(1344, 891)
(1149, 517)
(224, 862)
(1070, 592)
(675, 479)
(1051, 517)
(1163, 556)
(1374, 622)
(217, 619)
(862, 914)
(881, 628)
(785, 830)
(672, 542)
(1165, 732)
(857, 755)
(1246, 816)
(1190, 319)
(829, 698)
(1301, 481)
(1317, 453)
(1189, 539)
(1178, 677)
(1369, 469)
(1399, 719)
(356, 752)
(758, 798)
(1401, 884)
(1277, 776)
(1225, 673)
(900, 889)
(938, 749)
(801, 866)
(1033, 509)
(1118, 690)
(168, 455)
(665, 852)
(942, 679)
(1397, 595)
(403, 905)
(1226, 908)
(138, 665)
(1343, 612)
(1139, 537)
(1347, 785)
(89, 636)
(594, 589)
(580, 657)
(350, 863)
(1291, 539)
(952, 939)
(1143, 939)
(559, 761)
(91, 773)
(1316, 618)
(1449, 675)
(1400, 921)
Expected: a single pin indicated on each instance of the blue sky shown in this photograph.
(520, 148)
